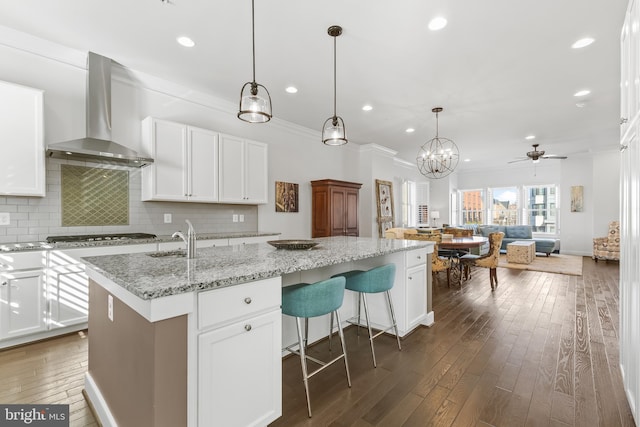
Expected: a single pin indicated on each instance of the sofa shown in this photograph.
(514, 233)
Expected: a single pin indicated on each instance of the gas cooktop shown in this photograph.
(99, 237)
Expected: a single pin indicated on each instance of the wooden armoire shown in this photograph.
(334, 208)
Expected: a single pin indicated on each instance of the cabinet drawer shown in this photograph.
(416, 257)
(11, 261)
(234, 302)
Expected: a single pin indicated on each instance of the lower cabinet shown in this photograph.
(240, 373)
(416, 282)
(239, 381)
(23, 303)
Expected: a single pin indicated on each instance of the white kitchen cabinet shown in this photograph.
(239, 354)
(179, 244)
(22, 165)
(416, 295)
(243, 172)
(185, 167)
(23, 303)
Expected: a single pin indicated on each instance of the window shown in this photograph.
(504, 206)
(535, 205)
(472, 206)
(540, 208)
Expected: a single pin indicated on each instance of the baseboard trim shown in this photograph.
(97, 403)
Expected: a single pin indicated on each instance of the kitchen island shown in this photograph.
(197, 342)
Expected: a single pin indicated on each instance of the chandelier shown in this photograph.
(437, 157)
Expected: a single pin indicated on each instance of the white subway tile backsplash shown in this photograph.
(35, 218)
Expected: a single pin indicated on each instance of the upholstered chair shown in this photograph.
(608, 248)
(458, 232)
(439, 264)
(489, 260)
(398, 233)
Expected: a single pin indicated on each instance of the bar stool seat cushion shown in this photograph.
(311, 300)
(378, 279)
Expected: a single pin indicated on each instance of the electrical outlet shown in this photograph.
(235, 217)
(167, 218)
(5, 218)
(241, 218)
(110, 307)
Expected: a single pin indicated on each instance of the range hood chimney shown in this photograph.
(97, 146)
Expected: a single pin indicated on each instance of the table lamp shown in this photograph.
(435, 215)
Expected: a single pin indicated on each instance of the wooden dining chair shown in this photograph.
(489, 260)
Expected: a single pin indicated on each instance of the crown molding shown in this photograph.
(378, 148)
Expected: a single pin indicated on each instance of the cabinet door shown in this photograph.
(256, 172)
(166, 143)
(416, 294)
(22, 303)
(232, 169)
(240, 368)
(68, 295)
(351, 212)
(338, 208)
(203, 165)
(22, 167)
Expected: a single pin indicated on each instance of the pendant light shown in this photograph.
(254, 108)
(333, 131)
(437, 157)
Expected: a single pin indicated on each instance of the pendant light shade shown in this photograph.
(255, 101)
(333, 130)
(437, 157)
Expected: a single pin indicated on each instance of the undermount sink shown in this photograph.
(178, 253)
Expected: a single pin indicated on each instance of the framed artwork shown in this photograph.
(577, 198)
(384, 203)
(286, 197)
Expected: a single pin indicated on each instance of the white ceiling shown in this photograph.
(501, 69)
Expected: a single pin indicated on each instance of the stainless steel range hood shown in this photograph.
(97, 146)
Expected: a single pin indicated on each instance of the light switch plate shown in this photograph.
(241, 218)
(235, 217)
(167, 218)
(5, 218)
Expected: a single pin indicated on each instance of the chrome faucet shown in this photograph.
(190, 240)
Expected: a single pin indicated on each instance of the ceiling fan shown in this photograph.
(536, 155)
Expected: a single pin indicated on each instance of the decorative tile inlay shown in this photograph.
(94, 196)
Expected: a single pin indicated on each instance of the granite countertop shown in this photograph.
(33, 246)
(150, 277)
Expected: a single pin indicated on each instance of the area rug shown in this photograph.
(556, 263)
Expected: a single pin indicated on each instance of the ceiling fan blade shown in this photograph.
(554, 156)
(519, 160)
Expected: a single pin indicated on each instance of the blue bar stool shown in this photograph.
(376, 280)
(303, 301)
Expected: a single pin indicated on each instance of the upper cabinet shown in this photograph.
(243, 171)
(185, 167)
(334, 208)
(22, 166)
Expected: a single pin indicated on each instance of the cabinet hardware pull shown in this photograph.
(247, 328)
(419, 257)
(410, 278)
(5, 283)
(623, 120)
(247, 300)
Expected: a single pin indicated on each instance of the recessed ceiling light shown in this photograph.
(186, 41)
(437, 23)
(530, 137)
(291, 89)
(466, 160)
(582, 43)
(582, 92)
(410, 130)
(581, 104)
(367, 108)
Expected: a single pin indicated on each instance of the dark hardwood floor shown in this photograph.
(542, 350)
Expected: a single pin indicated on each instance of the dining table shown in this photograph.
(454, 247)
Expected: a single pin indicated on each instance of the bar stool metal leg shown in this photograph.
(303, 363)
(371, 337)
(393, 318)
